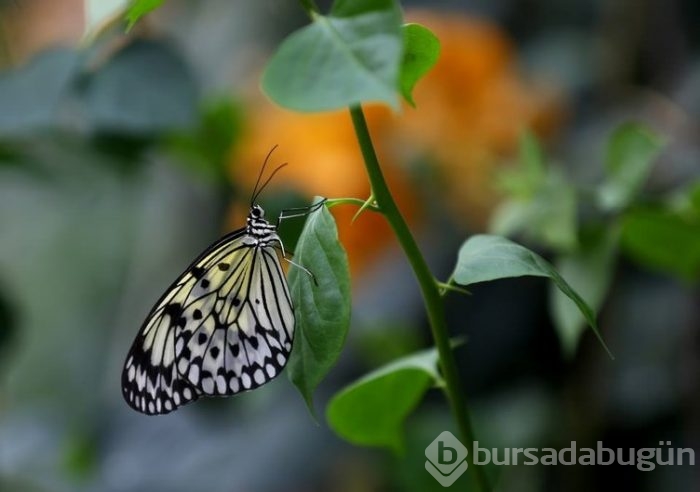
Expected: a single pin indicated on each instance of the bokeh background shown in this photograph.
(124, 155)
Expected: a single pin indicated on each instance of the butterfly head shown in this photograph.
(256, 212)
(257, 226)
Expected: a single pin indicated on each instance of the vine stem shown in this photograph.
(428, 286)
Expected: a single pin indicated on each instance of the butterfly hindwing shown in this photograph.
(225, 325)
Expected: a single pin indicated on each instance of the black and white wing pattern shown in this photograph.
(226, 325)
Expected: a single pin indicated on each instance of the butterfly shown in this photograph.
(226, 324)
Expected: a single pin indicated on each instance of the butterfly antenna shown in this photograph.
(255, 193)
(267, 181)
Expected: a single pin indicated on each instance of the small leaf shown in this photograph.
(345, 58)
(322, 307)
(525, 179)
(532, 159)
(546, 214)
(541, 203)
(589, 270)
(371, 411)
(631, 152)
(421, 52)
(663, 240)
(484, 257)
(138, 9)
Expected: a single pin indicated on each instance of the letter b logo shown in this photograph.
(446, 459)
(446, 454)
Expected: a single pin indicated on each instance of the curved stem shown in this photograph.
(428, 286)
(332, 202)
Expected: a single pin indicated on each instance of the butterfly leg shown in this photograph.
(291, 262)
(299, 211)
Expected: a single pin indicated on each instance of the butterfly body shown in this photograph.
(226, 325)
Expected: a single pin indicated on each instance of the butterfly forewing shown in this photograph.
(225, 325)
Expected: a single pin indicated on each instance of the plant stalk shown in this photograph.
(428, 286)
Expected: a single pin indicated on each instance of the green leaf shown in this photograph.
(663, 240)
(371, 411)
(589, 271)
(532, 163)
(322, 307)
(631, 152)
(421, 52)
(138, 9)
(524, 180)
(541, 202)
(484, 257)
(548, 218)
(350, 56)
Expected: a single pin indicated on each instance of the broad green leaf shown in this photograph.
(371, 411)
(484, 257)
(350, 56)
(589, 271)
(663, 240)
(138, 9)
(321, 304)
(421, 52)
(631, 152)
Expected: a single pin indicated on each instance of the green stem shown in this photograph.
(428, 286)
(332, 202)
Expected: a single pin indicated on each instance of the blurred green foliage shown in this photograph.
(545, 206)
(663, 240)
(540, 204)
(207, 148)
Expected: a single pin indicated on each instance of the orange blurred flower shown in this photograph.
(470, 110)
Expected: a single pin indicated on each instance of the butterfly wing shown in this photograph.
(245, 338)
(224, 326)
